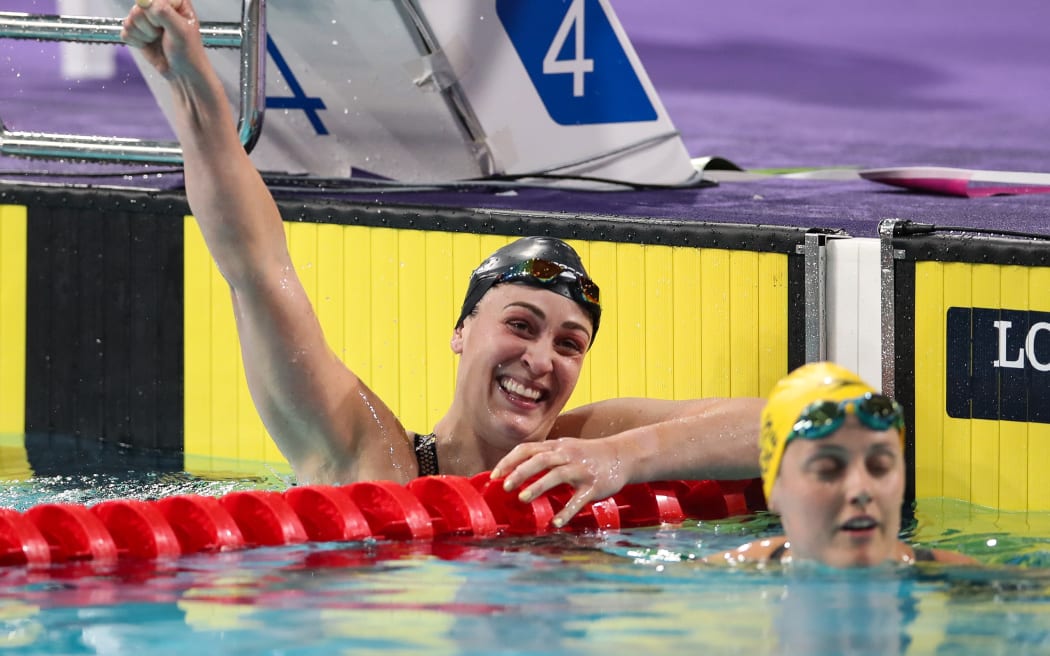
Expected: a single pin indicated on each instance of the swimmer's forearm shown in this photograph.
(720, 443)
(236, 213)
(233, 207)
(635, 441)
(221, 183)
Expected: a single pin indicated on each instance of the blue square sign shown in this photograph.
(576, 61)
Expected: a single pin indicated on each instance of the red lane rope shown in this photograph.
(425, 508)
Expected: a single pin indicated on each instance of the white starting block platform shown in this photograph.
(448, 90)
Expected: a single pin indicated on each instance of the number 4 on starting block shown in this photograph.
(576, 61)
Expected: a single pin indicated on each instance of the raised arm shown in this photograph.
(325, 421)
(599, 448)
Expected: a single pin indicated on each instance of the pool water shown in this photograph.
(629, 591)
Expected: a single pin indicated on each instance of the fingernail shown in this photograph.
(144, 3)
(524, 497)
(558, 522)
(495, 473)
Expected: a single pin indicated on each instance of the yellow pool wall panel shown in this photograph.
(992, 463)
(13, 227)
(677, 322)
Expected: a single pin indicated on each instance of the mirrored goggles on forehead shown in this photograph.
(547, 273)
(823, 418)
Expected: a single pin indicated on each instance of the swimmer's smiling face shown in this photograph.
(839, 497)
(521, 352)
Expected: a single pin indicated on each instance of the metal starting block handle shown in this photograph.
(249, 36)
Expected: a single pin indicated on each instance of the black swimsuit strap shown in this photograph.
(426, 454)
(778, 553)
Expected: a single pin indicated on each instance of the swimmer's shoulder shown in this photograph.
(922, 554)
(761, 551)
(778, 549)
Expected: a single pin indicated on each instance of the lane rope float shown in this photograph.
(424, 509)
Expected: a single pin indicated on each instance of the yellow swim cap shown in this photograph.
(817, 381)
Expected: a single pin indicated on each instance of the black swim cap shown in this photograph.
(514, 254)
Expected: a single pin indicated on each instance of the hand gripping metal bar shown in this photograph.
(249, 36)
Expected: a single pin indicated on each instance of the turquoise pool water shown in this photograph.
(631, 591)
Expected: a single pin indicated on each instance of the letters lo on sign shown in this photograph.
(1026, 355)
(998, 364)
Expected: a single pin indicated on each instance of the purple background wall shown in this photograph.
(765, 83)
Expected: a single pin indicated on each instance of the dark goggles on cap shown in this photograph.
(548, 274)
(823, 418)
